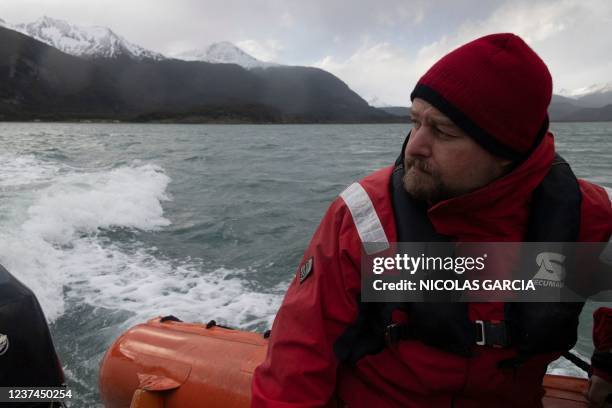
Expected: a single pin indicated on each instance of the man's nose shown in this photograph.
(419, 143)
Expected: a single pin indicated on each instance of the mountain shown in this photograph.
(86, 42)
(589, 104)
(603, 114)
(562, 99)
(396, 110)
(377, 102)
(593, 96)
(40, 82)
(597, 96)
(591, 89)
(560, 106)
(224, 53)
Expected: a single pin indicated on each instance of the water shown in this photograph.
(112, 224)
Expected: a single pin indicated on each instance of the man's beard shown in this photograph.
(424, 184)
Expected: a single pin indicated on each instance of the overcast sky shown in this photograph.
(379, 48)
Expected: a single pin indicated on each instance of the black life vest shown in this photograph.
(27, 354)
(531, 328)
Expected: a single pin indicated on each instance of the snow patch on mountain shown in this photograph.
(87, 42)
(377, 102)
(224, 53)
(587, 90)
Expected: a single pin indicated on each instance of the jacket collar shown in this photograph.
(498, 211)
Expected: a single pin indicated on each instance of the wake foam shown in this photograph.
(25, 170)
(127, 197)
(562, 366)
(58, 241)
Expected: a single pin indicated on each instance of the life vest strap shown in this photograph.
(493, 333)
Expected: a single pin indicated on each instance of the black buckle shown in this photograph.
(492, 333)
(480, 334)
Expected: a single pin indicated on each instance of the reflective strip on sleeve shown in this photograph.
(609, 191)
(365, 218)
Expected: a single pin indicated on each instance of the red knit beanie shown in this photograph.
(496, 89)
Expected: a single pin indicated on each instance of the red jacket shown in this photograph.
(301, 369)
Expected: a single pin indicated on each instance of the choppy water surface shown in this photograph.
(111, 225)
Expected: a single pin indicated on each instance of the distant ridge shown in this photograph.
(603, 114)
(396, 110)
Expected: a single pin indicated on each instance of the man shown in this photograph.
(478, 166)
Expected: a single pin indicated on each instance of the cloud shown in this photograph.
(268, 50)
(533, 22)
(400, 13)
(378, 71)
(572, 37)
(286, 20)
(379, 48)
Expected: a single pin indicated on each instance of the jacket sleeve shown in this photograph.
(601, 361)
(300, 366)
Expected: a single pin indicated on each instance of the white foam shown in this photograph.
(18, 171)
(34, 262)
(147, 286)
(562, 366)
(53, 244)
(128, 197)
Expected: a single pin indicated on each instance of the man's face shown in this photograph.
(441, 161)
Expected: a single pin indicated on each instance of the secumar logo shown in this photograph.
(4, 343)
(551, 270)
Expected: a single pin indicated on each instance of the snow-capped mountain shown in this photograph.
(593, 89)
(102, 42)
(594, 96)
(87, 42)
(224, 53)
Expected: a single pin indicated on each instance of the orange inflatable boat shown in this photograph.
(165, 363)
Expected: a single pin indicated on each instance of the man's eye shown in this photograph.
(444, 134)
